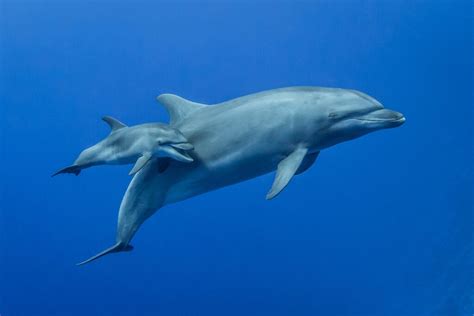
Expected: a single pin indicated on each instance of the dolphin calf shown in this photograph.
(280, 130)
(136, 144)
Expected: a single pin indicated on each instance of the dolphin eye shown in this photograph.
(332, 115)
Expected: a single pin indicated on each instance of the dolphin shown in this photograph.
(136, 144)
(280, 130)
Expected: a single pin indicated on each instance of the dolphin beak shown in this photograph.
(183, 146)
(387, 116)
(177, 153)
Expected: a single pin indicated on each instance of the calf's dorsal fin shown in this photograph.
(178, 108)
(113, 123)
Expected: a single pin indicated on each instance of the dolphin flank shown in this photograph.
(280, 130)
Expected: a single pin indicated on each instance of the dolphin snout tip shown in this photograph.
(390, 116)
(399, 118)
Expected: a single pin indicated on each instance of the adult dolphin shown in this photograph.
(282, 129)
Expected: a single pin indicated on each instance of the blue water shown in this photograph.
(381, 225)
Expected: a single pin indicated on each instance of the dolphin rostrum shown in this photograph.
(280, 130)
(136, 144)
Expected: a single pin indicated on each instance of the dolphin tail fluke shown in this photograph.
(71, 169)
(118, 247)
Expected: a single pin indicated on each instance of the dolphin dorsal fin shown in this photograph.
(178, 108)
(113, 123)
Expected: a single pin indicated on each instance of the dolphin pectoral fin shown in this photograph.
(307, 162)
(285, 171)
(71, 169)
(118, 247)
(113, 123)
(141, 162)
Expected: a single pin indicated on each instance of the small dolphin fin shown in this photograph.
(285, 171)
(307, 162)
(113, 123)
(178, 108)
(141, 162)
(71, 169)
(118, 247)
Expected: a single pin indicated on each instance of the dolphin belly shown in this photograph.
(184, 183)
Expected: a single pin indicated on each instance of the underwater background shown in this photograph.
(382, 225)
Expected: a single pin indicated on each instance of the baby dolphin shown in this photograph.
(135, 144)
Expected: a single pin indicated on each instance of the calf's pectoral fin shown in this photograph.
(285, 171)
(141, 162)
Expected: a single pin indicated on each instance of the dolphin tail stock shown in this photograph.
(118, 247)
(71, 169)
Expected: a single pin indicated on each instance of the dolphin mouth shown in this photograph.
(383, 116)
(183, 146)
(399, 120)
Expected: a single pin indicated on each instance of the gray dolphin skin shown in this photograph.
(280, 130)
(136, 144)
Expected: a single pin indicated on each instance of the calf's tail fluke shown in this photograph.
(71, 169)
(118, 247)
